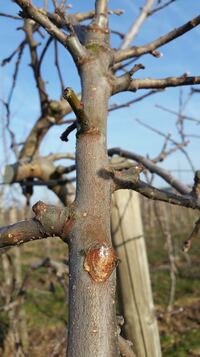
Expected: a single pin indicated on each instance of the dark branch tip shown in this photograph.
(23, 13)
(67, 93)
(136, 68)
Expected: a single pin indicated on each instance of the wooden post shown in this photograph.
(133, 272)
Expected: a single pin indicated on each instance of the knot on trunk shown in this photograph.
(100, 262)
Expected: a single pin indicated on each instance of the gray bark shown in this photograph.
(92, 322)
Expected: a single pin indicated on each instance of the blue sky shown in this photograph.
(180, 56)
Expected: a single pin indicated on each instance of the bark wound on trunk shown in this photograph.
(100, 262)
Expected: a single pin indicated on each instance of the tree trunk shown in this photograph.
(134, 280)
(92, 321)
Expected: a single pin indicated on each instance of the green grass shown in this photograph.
(46, 308)
(181, 345)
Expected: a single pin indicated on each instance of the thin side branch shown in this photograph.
(133, 101)
(56, 111)
(154, 193)
(148, 164)
(77, 107)
(42, 168)
(185, 117)
(10, 16)
(171, 140)
(71, 42)
(163, 40)
(133, 31)
(70, 128)
(35, 63)
(195, 232)
(101, 14)
(48, 221)
(161, 7)
(123, 83)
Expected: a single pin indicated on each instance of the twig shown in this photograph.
(16, 71)
(64, 170)
(164, 153)
(154, 193)
(77, 107)
(118, 33)
(147, 163)
(170, 139)
(148, 48)
(60, 156)
(10, 16)
(35, 63)
(71, 42)
(50, 39)
(10, 131)
(151, 192)
(187, 117)
(161, 7)
(48, 183)
(70, 128)
(58, 66)
(90, 14)
(133, 31)
(133, 101)
(9, 58)
(187, 244)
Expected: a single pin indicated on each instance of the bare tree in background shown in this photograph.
(84, 224)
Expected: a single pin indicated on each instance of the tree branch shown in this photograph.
(148, 164)
(10, 16)
(55, 112)
(74, 19)
(49, 221)
(185, 117)
(101, 14)
(41, 168)
(148, 48)
(71, 42)
(152, 192)
(171, 140)
(123, 83)
(78, 109)
(70, 128)
(158, 8)
(130, 102)
(35, 63)
(133, 31)
(187, 244)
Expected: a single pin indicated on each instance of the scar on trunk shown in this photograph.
(100, 263)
